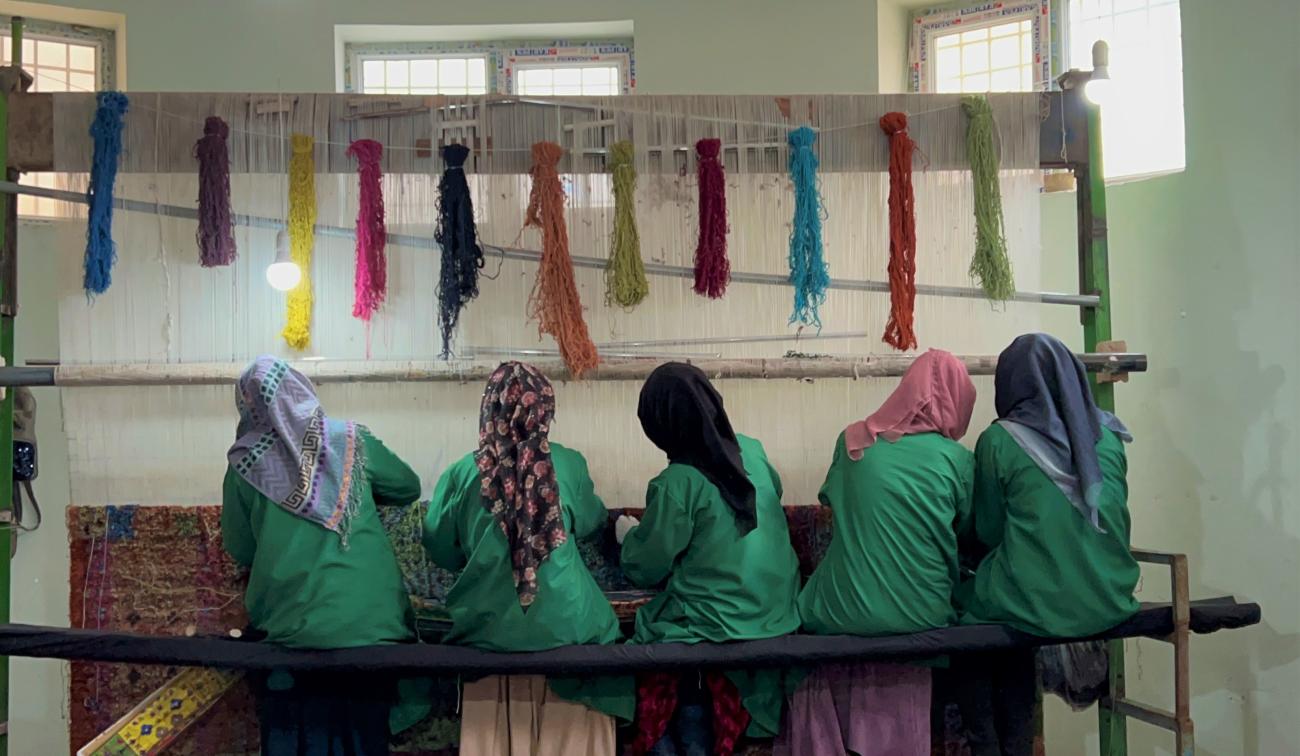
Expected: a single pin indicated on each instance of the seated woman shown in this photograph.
(1050, 523)
(715, 539)
(506, 516)
(897, 485)
(299, 511)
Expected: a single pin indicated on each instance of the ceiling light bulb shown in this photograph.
(283, 274)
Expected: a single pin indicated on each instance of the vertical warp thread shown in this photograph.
(625, 281)
(809, 274)
(456, 234)
(712, 269)
(370, 278)
(902, 233)
(302, 232)
(554, 301)
(216, 232)
(990, 266)
(106, 134)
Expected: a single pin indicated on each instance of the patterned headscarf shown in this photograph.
(935, 396)
(516, 476)
(287, 449)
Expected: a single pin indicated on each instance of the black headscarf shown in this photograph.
(1044, 401)
(682, 414)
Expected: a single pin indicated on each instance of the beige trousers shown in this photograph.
(519, 715)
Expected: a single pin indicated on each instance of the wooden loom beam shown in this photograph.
(421, 371)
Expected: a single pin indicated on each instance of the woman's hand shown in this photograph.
(623, 525)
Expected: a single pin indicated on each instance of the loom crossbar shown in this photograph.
(211, 374)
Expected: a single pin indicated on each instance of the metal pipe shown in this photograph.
(470, 352)
(528, 255)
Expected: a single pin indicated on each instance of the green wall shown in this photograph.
(1205, 266)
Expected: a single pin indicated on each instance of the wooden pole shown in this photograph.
(221, 373)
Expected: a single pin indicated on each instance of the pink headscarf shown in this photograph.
(935, 395)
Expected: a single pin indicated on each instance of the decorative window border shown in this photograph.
(503, 57)
(104, 40)
(926, 24)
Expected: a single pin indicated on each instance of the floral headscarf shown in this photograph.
(515, 472)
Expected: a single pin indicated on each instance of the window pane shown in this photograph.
(29, 51)
(81, 82)
(81, 57)
(1005, 52)
(477, 75)
(947, 40)
(1006, 80)
(595, 76)
(424, 73)
(947, 64)
(53, 79)
(397, 74)
(4, 49)
(1122, 6)
(372, 74)
(451, 73)
(977, 83)
(975, 57)
(568, 77)
(974, 35)
(51, 54)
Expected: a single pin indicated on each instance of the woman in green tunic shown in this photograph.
(1050, 523)
(897, 486)
(506, 517)
(715, 539)
(299, 511)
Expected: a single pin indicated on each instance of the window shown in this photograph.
(416, 75)
(543, 80)
(998, 58)
(990, 47)
(507, 67)
(60, 58)
(1142, 118)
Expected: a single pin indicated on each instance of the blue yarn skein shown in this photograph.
(809, 273)
(106, 132)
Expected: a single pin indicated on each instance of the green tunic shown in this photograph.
(305, 590)
(1047, 571)
(719, 586)
(892, 562)
(570, 608)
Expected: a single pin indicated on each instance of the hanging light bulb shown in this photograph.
(1098, 88)
(284, 273)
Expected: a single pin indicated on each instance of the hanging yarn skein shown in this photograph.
(302, 238)
(809, 273)
(625, 281)
(902, 233)
(462, 257)
(106, 134)
(216, 232)
(712, 269)
(990, 266)
(554, 301)
(370, 278)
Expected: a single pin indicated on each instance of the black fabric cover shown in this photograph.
(1153, 620)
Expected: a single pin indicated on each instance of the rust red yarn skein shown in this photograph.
(554, 302)
(902, 233)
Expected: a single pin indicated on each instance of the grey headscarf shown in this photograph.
(1044, 402)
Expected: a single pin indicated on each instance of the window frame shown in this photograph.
(620, 75)
(928, 24)
(362, 57)
(502, 55)
(986, 24)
